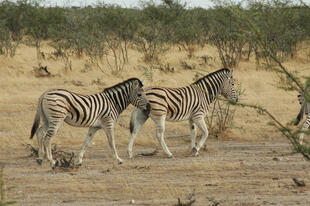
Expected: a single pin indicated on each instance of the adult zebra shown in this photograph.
(304, 109)
(185, 103)
(94, 111)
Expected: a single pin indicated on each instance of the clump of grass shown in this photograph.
(3, 189)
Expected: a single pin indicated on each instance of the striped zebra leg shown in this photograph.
(109, 130)
(53, 124)
(40, 135)
(138, 118)
(51, 131)
(193, 133)
(90, 135)
(305, 126)
(201, 124)
(160, 129)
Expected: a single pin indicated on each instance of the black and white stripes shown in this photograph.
(95, 111)
(185, 103)
(304, 109)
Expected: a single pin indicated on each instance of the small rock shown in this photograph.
(132, 201)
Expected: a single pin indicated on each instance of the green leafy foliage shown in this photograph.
(102, 29)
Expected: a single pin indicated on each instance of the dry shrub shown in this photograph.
(42, 71)
(220, 118)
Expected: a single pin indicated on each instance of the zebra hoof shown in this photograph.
(39, 161)
(78, 163)
(170, 156)
(195, 152)
(55, 164)
(120, 161)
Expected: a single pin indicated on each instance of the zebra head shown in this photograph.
(138, 97)
(228, 88)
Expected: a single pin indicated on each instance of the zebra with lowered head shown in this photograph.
(185, 103)
(304, 109)
(95, 111)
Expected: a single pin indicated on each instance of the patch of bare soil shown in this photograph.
(225, 173)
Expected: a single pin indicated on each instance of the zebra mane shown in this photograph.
(223, 70)
(119, 85)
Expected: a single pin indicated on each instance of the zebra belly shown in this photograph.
(72, 122)
(75, 123)
(177, 119)
(96, 123)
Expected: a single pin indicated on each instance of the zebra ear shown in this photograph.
(136, 84)
(230, 74)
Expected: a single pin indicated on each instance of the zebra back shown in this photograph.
(215, 81)
(125, 83)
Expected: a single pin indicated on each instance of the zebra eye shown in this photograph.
(139, 95)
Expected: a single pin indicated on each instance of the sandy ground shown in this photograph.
(228, 173)
(251, 164)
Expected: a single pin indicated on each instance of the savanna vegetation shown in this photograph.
(153, 28)
(270, 31)
(245, 161)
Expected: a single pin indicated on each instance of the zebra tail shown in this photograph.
(300, 114)
(36, 122)
(138, 116)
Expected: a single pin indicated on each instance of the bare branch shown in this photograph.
(303, 3)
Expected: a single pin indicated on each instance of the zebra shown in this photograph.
(304, 109)
(185, 103)
(95, 111)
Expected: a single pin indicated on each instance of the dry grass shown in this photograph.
(223, 173)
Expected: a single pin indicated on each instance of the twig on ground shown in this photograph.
(64, 160)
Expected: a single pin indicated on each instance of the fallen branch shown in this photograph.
(34, 151)
(64, 160)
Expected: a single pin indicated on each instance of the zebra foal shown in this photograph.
(304, 109)
(95, 111)
(185, 103)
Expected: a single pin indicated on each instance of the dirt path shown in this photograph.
(228, 173)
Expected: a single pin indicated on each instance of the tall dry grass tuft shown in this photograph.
(3, 190)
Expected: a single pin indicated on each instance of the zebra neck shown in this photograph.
(210, 86)
(119, 98)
